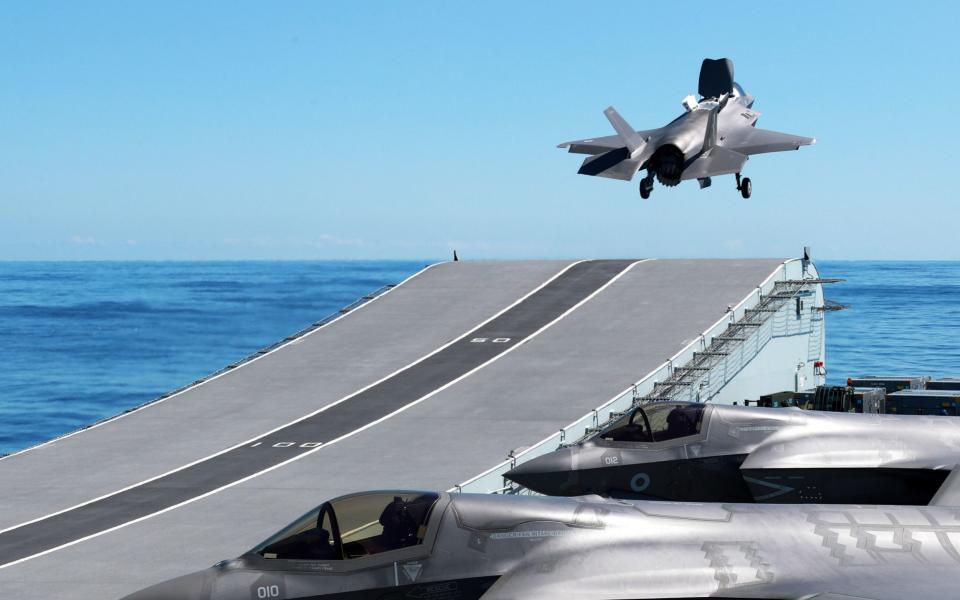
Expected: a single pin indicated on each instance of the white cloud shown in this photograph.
(328, 239)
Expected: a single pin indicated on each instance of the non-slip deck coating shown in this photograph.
(306, 435)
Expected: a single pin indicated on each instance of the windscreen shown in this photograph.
(629, 428)
(353, 527)
(375, 523)
(311, 537)
(657, 422)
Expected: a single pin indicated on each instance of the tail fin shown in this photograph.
(627, 134)
(710, 136)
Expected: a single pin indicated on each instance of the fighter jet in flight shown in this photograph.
(721, 453)
(714, 136)
(423, 545)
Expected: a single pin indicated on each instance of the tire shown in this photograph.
(645, 189)
(746, 187)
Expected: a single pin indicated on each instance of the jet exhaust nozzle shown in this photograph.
(667, 164)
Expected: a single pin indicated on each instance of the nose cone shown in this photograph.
(551, 474)
(195, 586)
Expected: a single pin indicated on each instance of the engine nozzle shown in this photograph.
(667, 163)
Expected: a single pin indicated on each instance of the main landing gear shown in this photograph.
(745, 186)
(646, 186)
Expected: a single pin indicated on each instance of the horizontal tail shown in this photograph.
(615, 164)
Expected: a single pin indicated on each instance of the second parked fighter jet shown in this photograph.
(719, 453)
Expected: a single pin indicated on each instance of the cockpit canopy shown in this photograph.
(353, 527)
(656, 422)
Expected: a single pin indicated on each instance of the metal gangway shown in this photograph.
(698, 379)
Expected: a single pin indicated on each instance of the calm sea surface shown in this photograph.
(904, 318)
(83, 341)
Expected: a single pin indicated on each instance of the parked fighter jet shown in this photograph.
(721, 453)
(399, 545)
(714, 136)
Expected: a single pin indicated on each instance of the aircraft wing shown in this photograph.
(752, 140)
(600, 145)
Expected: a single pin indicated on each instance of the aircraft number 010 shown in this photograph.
(268, 591)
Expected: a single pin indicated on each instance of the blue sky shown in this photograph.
(314, 130)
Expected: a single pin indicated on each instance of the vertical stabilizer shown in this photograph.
(710, 136)
(631, 139)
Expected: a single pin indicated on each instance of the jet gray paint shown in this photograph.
(523, 547)
(715, 136)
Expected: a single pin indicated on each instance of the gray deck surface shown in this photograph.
(427, 311)
(545, 383)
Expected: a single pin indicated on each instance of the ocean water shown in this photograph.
(81, 341)
(904, 319)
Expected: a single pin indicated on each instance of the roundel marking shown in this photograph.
(640, 482)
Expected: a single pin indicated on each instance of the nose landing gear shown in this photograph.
(745, 186)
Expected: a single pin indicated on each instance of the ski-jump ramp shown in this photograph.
(423, 387)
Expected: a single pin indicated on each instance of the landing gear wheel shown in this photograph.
(646, 186)
(746, 187)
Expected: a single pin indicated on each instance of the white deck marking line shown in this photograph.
(300, 338)
(298, 419)
(354, 432)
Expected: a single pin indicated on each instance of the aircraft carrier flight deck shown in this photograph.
(422, 387)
